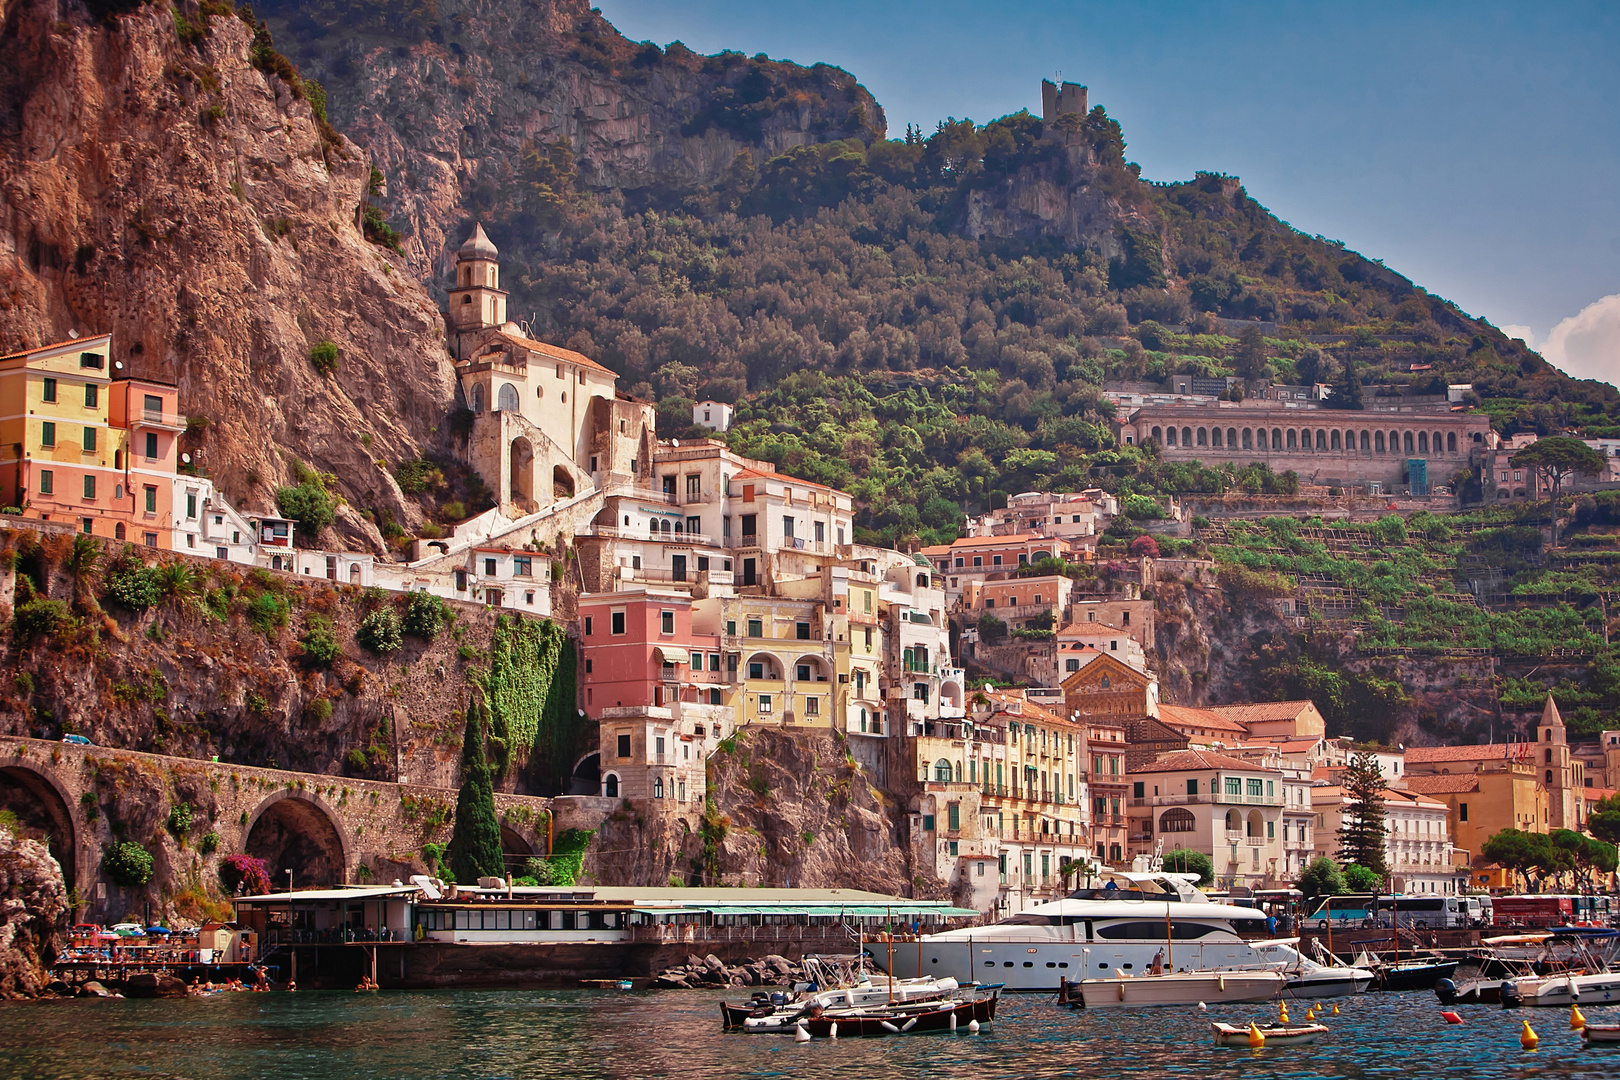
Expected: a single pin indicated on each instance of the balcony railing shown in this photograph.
(158, 418)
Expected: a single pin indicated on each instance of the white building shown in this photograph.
(1417, 844)
(713, 414)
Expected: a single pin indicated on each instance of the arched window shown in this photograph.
(1186, 436)
(1548, 752)
(1293, 439)
(1321, 440)
(1203, 436)
(1333, 440)
(1549, 776)
(1260, 439)
(1276, 438)
(1248, 438)
(653, 526)
(1365, 444)
(475, 400)
(666, 527)
(1178, 820)
(1106, 682)
(678, 528)
(942, 771)
(1234, 821)
(658, 787)
(275, 562)
(466, 299)
(610, 786)
(1215, 437)
(1158, 435)
(1434, 442)
(508, 399)
(1378, 441)
(1170, 436)
(1423, 442)
(1406, 443)
(1256, 825)
(118, 531)
(1451, 442)
(354, 573)
(1231, 438)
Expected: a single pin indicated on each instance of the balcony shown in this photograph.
(614, 532)
(154, 418)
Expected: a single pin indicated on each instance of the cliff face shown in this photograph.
(449, 98)
(790, 810)
(34, 915)
(172, 193)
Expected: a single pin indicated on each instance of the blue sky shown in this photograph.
(1472, 147)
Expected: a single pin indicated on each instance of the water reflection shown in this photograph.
(611, 1036)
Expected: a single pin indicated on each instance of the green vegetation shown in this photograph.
(568, 855)
(41, 618)
(475, 841)
(267, 613)
(133, 585)
(324, 357)
(128, 864)
(319, 642)
(310, 502)
(180, 819)
(530, 684)
(380, 631)
(1188, 861)
(1321, 878)
(1358, 878)
(424, 615)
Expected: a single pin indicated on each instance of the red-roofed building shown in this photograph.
(981, 558)
(1417, 843)
(1202, 725)
(1267, 719)
(1228, 808)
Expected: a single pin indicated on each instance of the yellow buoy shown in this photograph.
(1310, 1014)
(1528, 1038)
(1576, 1020)
(1283, 1012)
(1255, 1038)
(1335, 1010)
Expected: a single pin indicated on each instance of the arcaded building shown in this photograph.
(1324, 446)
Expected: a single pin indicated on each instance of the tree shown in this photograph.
(1188, 861)
(1531, 855)
(1321, 878)
(1555, 458)
(1358, 878)
(1346, 389)
(1249, 360)
(1145, 546)
(991, 629)
(1362, 832)
(1604, 819)
(475, 841)
(1586, 855)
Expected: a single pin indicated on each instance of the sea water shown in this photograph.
(524, 1035)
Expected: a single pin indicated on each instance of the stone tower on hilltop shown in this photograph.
(1057, 100)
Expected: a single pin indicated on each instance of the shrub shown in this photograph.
(356, 761)
(324, 357)
(379, 631)
(41, 618)
(1145, 546)
(134, 586)
(377, 229)
(267, 613)
(318, 710)
(180, 819)
(129, 864)
(319, 643)
(208, 843)
(453, 510)
(310, 504)
(424, 615)
(418, 475)
(253, 875)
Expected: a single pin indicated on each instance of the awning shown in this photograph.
(669, 654)
(667, 911)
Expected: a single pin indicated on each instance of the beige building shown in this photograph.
(1417, 844)
(1228, 808)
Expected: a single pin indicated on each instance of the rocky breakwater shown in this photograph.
(34, 914)
(165, 176)
(710, 971)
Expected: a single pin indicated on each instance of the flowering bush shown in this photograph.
(253, 875)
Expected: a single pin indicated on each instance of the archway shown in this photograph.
(292, 832)
(42, 814)
(587, 775)
(562, 483)
(522, 469)
(515, 851)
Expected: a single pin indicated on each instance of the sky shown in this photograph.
(1473, 147)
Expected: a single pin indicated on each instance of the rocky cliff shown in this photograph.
(34, 914)
(452, 99)
(787, 810)
(159, 180)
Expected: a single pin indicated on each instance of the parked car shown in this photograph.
(77, 740)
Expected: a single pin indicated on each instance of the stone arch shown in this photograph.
(295, 830)
(1423, 442)
(1248, 438)
(610, 785)
(1276, 438)
(1256, 825)
(1366, 443)
(475, 398)
(562, 483)
(507, 399)
(44, 807)
(1350, 440)
(1158, 435)
(1333, 440)
(521, 483)
(1260, 438)
(815, 665)
(586, 779)
(770, 666)
(1434, 442)
(1378, 442)
(1203, 436)
(1293, 439)
(1406, 443)
(514, 850)
(1215, 437)
(943, 771)
(1234, 821)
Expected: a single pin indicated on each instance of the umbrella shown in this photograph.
(105, 936)
(164, 930)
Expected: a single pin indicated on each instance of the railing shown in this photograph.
(161, 419)
(615, 532)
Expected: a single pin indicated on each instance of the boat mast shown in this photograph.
(1169, 943)
(889, 918)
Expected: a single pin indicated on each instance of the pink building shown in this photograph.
(658, 691)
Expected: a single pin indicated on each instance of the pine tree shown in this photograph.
(475, 842)
(1362, 831)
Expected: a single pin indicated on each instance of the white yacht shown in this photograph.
(1132, 922)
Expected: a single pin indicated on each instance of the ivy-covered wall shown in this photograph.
(531, 687)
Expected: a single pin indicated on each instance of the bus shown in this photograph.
(1552, 909)
(1350, 911)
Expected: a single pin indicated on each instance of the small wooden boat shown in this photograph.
(1276, 1034)
(1601, 1033)
(904, 1020)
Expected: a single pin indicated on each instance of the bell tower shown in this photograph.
(1556, 767)
(477, 301)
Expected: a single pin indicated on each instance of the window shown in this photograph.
(694, 487)
(589, 624)
(802, 631)
(47, 433)
(666, 622)
(978, 560)
(694, 524)
(812, 706)
(489, 567)
(48, 390)
(1271, 830)
(821, 532)
(219, 552)
(90, 360)
(756, 670)
(764, 703)
(151, 446)
(92, 395)
(1234, 786)
(756, 628)
(1071, 664)
(624, 745)
(1192, 787)
(461, 580)
(617, 623)
(1256, 788)
(1138, 790)
(89, 487)
(995, 560)
(714, 661)
(150, 539)
(191, 504)
(1462, 811)
(523, 565)
(787, 528)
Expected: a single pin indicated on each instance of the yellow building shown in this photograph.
(779, 654)
(63, 461)
(1505, 794)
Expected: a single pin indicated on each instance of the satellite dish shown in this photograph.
(186, 458)
(118, 365)
(74, 334)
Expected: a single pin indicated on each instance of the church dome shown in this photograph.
(477, 246)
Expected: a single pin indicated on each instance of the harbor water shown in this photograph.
(429, 1035)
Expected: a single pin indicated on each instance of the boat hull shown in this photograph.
(1276, 1034)
(880, 1023)
(1470, 992)
(1182, 988)
(1601, 1033)
(1416, 976)
(1335, 985)
(1562, 990)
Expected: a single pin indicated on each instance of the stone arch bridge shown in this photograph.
(325, 829)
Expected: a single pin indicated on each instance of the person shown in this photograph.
(292, 986)
(1111, 886)
(1158, 962)
(1271, 926)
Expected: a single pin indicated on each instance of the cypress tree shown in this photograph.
(475, 842)
(1361, 835)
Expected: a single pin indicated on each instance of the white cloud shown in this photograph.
(1523, 333)
(1587, 344)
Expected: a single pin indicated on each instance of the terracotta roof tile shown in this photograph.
(1443, 783)
(1204, 718)
(556, 352)
(1186, 760)
(1485, 752)
(1256, 712)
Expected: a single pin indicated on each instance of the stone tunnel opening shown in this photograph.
(515, 851)
(41, 815)
(587, 776)
(294, 834)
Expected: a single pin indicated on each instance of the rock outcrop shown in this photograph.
(710, 971)
(156, 184)
(34, 914)
(451, 97)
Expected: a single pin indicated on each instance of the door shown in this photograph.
(748, 572)
(677, 565)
